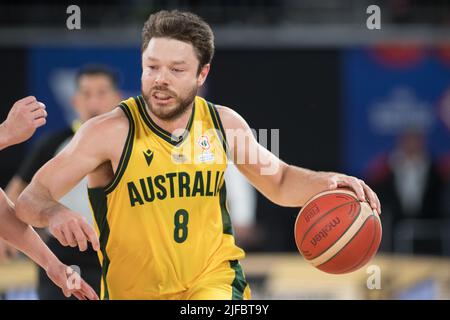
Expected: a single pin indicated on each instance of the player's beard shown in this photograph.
(173, 111)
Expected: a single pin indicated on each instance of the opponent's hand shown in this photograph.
(72, 229)
(23, 119)
(70, 282)
(333, 181)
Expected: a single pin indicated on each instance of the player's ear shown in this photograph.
(203, 74)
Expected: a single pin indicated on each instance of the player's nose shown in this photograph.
(161, 78)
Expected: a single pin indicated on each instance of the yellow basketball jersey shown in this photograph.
(163, 221)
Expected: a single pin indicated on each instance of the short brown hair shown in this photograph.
(182, 26)
(98, 70)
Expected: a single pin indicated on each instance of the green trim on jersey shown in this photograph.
(126, 153)
(160, 132)
(239, 284)
(218, 125)
(226, 220)
(97, 198)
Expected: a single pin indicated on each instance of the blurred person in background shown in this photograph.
(410, 186)
(242, 200)
(96, 93)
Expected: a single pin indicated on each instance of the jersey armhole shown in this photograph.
(219, 127)
(126, 152)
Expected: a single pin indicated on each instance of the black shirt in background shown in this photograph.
(42, 151)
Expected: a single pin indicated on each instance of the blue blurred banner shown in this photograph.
(390, 89)
(52, 72)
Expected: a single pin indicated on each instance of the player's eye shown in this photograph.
(177, 70)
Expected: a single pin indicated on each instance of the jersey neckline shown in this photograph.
(162, 133)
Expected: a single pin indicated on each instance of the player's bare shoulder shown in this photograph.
(231, 119)
(104, 135)
(108, 123)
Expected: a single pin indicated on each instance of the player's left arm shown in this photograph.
(284, 184)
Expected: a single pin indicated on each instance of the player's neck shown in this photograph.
(172, 125)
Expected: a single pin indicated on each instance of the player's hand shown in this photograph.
(363, 191)
(6, 251)
(72, 229)
(23, 119)
(70, 282)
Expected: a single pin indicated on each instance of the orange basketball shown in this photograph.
(337, 233)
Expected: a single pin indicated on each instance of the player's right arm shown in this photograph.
(93, 145)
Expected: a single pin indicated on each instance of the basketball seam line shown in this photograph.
(343, 247)
(325, 214)
(318, 196)
(367, 251)
(343, 233)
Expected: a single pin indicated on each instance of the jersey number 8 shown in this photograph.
(181, 220)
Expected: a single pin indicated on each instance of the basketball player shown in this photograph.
(25, 116)
(157, 192)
